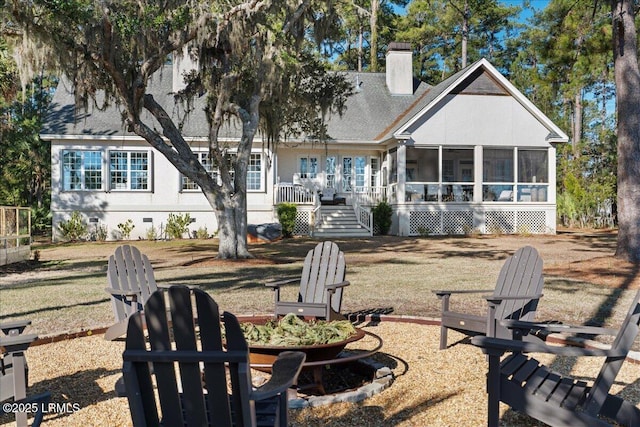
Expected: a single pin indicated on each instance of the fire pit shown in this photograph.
(262, 357)
(319, 355)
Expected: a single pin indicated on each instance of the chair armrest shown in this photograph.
(278, 283)
(496, 299)
(334, 286)
(15, 327)
(120, 292)
(284, 373)
(558, 328)
(441, 293)
(17, 342)
(498, 346)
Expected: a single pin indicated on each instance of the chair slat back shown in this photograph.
(130, 270)
(323, 265)
(192, 386)
(521, 274)
(624, 341)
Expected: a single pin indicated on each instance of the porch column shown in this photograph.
(478, 172)
(403, 215)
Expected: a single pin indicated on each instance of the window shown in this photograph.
(375, 172)
(347, 173)
(81, 170)
(129, 170)
(308, 167)
(203, 158)
(254, 172)
(360, 172)
(330, 169)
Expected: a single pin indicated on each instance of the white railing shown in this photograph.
(369, 196)
(293, 193)
(364, 215)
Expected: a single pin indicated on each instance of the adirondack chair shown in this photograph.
(321, 285)
(529, 387)
(515, 296)
(14, 371)
(186, 358)
(131, 281)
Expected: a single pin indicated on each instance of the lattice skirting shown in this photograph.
(302, 227)
(490, 222)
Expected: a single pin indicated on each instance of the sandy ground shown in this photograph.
(431, 387)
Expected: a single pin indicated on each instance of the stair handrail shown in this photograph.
(364, 215)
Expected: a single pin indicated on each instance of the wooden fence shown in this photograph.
(15, 234)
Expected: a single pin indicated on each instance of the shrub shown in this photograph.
(177, 225)
(382, 214)
(201, 233)
(126, 228)
(74, 228)
(287, 213)
(152, 233)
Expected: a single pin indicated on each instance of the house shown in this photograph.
(471, 154)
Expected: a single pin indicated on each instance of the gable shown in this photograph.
(480, 83)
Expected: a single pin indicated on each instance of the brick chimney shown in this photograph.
(400, 68)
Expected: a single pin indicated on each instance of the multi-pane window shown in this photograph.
(330, 171)
(360, 171)
(375, 172)
(308, 167)
(129, 170)
(203, 158)
(81, 170)
(254, 172)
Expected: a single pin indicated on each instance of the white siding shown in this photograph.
(480, 120)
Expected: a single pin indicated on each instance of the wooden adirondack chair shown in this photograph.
(131, 282)
(14, 377)
(558, 400)
(515, 296)
(321, 285)
(200, 379)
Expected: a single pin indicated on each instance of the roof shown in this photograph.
(370, 112)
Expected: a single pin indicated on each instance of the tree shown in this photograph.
(627, 77)
(250, 53)
(447, 34)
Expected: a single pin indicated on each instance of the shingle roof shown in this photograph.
(371, 114)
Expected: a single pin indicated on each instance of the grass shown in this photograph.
(64, 291)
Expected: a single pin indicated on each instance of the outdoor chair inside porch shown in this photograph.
(321, 285)
(516, 295)
(202, 377)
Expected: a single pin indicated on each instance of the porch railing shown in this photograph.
(368, 196)
(364, 215)
(293, 193)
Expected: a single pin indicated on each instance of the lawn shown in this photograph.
(63, 292)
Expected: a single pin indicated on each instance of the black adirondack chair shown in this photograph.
(131, 282)
(516, 295)
(321, 285)
(201, 379)
(14, 377)
(529, 387)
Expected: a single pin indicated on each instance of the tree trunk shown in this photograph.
(373, 42)
(627, 78)
(577, 123)
(465, 33)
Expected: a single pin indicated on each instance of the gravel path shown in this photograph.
(431, 387)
